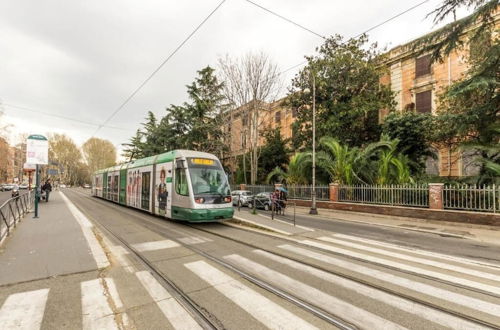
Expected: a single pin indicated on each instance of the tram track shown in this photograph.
(161, 228)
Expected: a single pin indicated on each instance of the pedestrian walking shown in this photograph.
(47, 187)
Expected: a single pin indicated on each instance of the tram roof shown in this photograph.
(157, 159)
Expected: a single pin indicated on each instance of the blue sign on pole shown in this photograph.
(52, 172)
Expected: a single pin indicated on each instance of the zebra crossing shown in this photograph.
(458, 284)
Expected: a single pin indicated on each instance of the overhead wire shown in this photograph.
(9, 105)
(356, 36)
(286, 19)
(159, 67)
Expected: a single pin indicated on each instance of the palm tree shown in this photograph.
(296, 172)
(348, 165)
(393, 167)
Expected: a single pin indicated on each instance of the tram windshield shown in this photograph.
(208, 177)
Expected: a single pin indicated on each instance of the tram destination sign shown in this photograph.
(37, 150)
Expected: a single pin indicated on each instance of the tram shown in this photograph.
(181, 185)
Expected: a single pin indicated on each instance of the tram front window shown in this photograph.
(209, 181)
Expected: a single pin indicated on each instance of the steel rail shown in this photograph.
(448, 311)
(315, 310)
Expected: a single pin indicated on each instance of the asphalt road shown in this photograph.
(238, 247)
(421, 240)
(241, 278)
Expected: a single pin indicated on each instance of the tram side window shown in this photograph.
(108, 190)
(181, 185)
(146, 178)
(115, 188)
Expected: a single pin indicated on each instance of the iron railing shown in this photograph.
(414, 195)
(305, 192)
(483, 198)
(13, 210)
(258, 188)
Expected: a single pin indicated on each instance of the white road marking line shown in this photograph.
(403, 304)
(286, 222)
(194, 240)
(397, 265)
(261, 225)
(261, 308)
(96, 312)
(155, 245)
(420, 252)
(173, 311)
(456, 298)
(96, 249)
(428, 262)
(349, 312)
(24, 310)
(113, 292)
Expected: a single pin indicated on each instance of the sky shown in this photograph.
(80, 60)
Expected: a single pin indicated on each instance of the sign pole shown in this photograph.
(37, 190)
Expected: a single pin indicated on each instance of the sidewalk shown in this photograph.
(53, 244)
(481, 233)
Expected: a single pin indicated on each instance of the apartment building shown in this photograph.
(417, 84)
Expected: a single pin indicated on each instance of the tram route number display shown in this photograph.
(202, 161)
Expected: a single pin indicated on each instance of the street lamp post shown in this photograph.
(313, 209)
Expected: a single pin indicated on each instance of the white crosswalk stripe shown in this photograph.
(173, 311)
(435, 274)
(96, 312)
(427, 261)
(456, 298)
(264, 310)
(351, 313)
(403, 304)
(24, 310)
(406, 249)
(155, 245)
(194, 240)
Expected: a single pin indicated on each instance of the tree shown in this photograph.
(251, 84)
(134, 149)
(4, 150)
(274, 153)
(413, 131)
(98, 154)
(65, 155)
(296, 172)
(348, 93)
(468, 111)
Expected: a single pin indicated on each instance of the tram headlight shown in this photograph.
(227, 199)
(199, 200)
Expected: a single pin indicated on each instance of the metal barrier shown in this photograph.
(13, 210)
(258, 188)
(483, 198)
(414, 195)
(304, 192)
(277, 205)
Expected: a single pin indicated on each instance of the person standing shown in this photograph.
(162, 193)
(47, 187)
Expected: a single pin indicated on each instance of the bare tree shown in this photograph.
(251, 84)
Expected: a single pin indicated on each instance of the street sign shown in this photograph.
(29, 167)
(52, 172)
(37, 150)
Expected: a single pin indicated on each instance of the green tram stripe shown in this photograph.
(201, 215)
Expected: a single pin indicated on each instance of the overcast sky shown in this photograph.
(82, 59)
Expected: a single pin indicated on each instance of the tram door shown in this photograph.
(169, 189)
(163, 189)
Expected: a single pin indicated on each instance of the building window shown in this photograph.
(294, 112)
(422, 66)
(423, 101)
(244, 120)
(277, 116)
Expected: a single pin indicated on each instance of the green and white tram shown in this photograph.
(181, 184)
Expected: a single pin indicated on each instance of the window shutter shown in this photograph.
(424, 101)
(277, 116)
(422, 66)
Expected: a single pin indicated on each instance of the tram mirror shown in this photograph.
(180, 163)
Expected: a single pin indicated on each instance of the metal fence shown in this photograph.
(305, 192)
(12, 211)
(258, 188)
(483, 198)
(415, 195)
